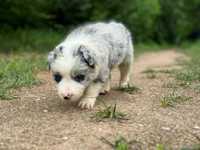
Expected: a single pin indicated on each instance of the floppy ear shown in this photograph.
(57, 52)
(51, 57)
(86, 56)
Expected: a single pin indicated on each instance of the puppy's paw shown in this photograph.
(124, 85)
(87, 103)
(105, 89)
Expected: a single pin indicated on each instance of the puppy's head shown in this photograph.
(73, 69)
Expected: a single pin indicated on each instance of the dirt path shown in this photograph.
(39, 120)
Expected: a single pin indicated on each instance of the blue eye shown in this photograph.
(79, 78)
(57, 77)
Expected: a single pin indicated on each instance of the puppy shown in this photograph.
(81, 65)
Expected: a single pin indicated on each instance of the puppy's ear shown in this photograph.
(51, 57)
(86, 56)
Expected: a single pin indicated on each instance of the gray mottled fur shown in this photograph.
(107, 44)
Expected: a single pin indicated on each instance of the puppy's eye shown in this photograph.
(57, 77)
(79, 78)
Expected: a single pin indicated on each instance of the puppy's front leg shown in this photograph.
(89, 98)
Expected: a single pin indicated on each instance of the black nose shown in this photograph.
(66, 97)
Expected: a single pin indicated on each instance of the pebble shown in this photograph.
(165, 128)
(37, 99)
(65, 138)
(45, 110)
(197, 127)
(141, 125)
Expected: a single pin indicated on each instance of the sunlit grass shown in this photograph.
(19, 70)
(173, 98)
(22, 54)
(191, 71)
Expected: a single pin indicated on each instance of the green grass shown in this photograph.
(152, 74)
(130, 89)
(110, 112)
(191, 71)
(170, 85)
(19, 70)
(167, 71)
(197, 87)
(22, 54)
(121, 143)
(194, 147)
(173, 98)
(160, 147)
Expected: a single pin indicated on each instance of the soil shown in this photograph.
(39, 120)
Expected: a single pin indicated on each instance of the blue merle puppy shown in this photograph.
(81, 64)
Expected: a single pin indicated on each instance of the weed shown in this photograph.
(191, 71)
(160, 147)
(129, 89)
(172, 85)
(119, 144)
(151, 76)
(197, 88)
(167, 71)
(151, 73)
(122, 143)
(172, 99)
(194, 147)
(110, 112)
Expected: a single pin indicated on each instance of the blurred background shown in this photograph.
(40, 24)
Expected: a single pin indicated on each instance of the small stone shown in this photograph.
(45, 110)
(65, 138)
(37, 99)
(197, 127)
(165, 128)
(141, 125)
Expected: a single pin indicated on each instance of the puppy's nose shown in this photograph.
(68, 96)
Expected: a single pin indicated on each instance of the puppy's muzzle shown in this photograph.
(67, 96)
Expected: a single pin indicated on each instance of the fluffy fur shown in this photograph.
(82, 63)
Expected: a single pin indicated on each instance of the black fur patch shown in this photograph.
(86, 57)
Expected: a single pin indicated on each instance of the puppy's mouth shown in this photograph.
(72, 99)
(66, 98)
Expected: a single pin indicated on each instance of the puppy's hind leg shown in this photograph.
(126, 71)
